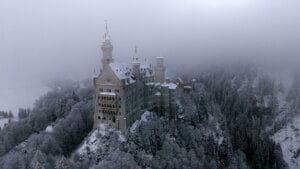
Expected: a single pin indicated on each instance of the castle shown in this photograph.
(123, 92)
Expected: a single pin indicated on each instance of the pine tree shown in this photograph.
(37, 165)
(61, 163)
(38, 160)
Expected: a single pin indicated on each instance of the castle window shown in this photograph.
(99, 117)
(108, 90)
(101, 89)
(104, 118)
(114, 119)
(117, 91)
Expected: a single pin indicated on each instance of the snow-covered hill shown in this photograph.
(289, 140)
(100, 140)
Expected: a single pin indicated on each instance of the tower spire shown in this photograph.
(135, 56)
(135, 50)
(106, 35)
(136, 65)
(106, 47)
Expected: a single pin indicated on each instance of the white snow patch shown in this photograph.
(3, 122)
(181, 116)
(95, 139)
(135, 125)
(122, 71)
(49, 129)
(108, 93)
(150, 84)
(121, 137)
(146, 116)
(171, 86)
(220, 140)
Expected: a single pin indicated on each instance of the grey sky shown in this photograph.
(44, 40)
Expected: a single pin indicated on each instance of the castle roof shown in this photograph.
(124, 72)
(171, 86)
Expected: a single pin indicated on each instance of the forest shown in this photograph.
(225, 122)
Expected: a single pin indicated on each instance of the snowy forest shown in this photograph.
(229, 120)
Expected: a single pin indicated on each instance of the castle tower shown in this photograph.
(136, 65)
(159, 70)
(107, 49)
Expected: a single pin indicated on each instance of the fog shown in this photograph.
(41, 41)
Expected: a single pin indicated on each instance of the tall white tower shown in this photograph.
(107, 48)
(159, 70)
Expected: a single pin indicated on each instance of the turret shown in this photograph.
(107, 48)
(159, 70)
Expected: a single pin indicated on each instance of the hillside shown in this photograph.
(229, 120)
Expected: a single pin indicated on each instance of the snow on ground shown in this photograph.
(105, 139)
(3, 121)
(146, 116)
(97, 139)
(289, 140)
(49, 128)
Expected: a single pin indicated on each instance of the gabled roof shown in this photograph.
(122, 71)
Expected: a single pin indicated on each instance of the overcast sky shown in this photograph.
(41, 40)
